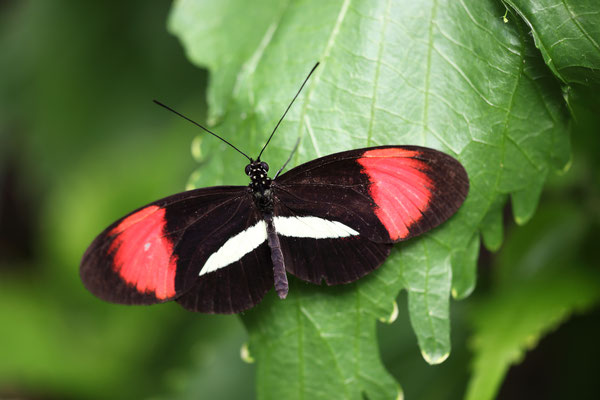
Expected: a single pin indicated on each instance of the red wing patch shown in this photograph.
(143, 255)
(399, 187)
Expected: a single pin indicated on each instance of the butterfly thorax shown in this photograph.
(260, 184)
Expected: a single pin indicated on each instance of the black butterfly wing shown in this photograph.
(332, 260)
(338, 215)
(238, 287)
(169, 249)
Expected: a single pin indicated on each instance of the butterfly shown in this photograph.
(221, 249)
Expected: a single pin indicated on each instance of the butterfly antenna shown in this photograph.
(287, 109)
(289, 158)
(197, 124)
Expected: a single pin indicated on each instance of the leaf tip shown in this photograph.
(463, 294)
(393, 315)
(434, 359)
(504, 17)
(197, 148)
(194, 177)
(245, 354)
(566, 167)
(400, 395)
(212, 120)
(521, 220)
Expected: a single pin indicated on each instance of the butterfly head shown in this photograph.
(257, 171)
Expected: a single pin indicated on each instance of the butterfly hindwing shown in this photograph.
(235, 260)
(238, 287)
(156, 253)
(333, 261)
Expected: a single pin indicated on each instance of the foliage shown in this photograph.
(533, 294)
(390, 74)
(446, 74)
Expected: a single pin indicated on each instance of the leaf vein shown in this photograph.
(377, 72)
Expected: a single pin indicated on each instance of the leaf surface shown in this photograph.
(444, 74)
(567, 33)
(540, 283)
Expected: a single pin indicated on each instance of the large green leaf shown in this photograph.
(567, 33)
(444, 74)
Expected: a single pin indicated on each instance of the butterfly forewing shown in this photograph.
(387, 194)
(157, 252)
(384, 194)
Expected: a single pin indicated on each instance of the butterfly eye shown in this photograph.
(248, 170)
(264, 166)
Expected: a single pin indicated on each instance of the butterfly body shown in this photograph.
(220, 249)
(260, 184)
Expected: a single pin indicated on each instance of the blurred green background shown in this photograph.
(81, 144)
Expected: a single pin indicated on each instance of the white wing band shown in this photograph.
(236, 247)
(312, 227)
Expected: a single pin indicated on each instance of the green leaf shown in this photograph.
(492, 225)
(525, 201)
(444, 74)
(464, 263)
(320, 343)
(539, 287)
(567, 33)
(514, 321)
